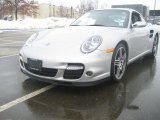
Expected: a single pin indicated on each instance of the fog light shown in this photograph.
(74, 67)
(89, 73)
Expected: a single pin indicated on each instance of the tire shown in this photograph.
(119, 62)
(155, 47)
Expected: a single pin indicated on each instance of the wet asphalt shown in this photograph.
(12, 41)
(137, 97)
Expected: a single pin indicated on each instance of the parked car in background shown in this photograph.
(8, 17)
(98, 45)
(154, 21)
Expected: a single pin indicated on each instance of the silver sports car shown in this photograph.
(98, 45)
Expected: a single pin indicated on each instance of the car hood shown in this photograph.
(73, 36)
(66, 42)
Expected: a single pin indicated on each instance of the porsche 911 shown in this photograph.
(98, 45)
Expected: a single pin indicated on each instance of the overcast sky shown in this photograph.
(74, 3)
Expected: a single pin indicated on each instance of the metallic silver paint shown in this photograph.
(61, 46)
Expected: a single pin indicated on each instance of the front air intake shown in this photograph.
(74, 71)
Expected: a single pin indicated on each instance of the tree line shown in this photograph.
(24, 7)
(87, 5)
(27, 7)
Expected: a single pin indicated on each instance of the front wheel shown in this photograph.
(118, 63)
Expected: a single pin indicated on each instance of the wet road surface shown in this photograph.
(137, 97)
(12, 41)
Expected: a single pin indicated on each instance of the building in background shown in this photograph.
(46, 10)
(144, 10)
(61, 11)
(154, 14)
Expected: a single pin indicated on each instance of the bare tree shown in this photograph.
(5, 9)
(28, 9)
(103, 6)
(87, 5)
(1, 8)
(62, 10)
(19, 6)
(82, 7)
(95, 4)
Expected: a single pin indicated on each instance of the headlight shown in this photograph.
(91, 44)
(31, 39)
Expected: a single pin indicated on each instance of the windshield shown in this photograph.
(107, 18)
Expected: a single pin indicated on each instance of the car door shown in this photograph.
(138, 36)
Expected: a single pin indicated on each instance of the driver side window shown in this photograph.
(135, 17)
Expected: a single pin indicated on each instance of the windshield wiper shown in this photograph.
(89, 25)
(96, 25)
(74, 25)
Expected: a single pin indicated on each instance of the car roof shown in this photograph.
(127, 9)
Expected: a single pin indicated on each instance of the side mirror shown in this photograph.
(139, 24)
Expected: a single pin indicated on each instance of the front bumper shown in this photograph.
(66, 83)
(98, 64)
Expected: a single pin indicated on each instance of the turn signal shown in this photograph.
(110, 50)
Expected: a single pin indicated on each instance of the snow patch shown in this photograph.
(36, 23)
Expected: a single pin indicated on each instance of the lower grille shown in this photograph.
(74, 74)
(48, 72)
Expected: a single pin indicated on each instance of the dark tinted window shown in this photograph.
(135, 17)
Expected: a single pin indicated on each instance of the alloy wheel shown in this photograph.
(120, 63)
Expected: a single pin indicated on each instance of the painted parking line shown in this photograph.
(9, 40)
(9, 56)
(11, 43)
(6, 37)
(26, 97)
(4, 40)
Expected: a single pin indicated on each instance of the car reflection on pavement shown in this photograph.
(103, 102)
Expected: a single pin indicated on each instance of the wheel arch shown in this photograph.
(124, 42)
